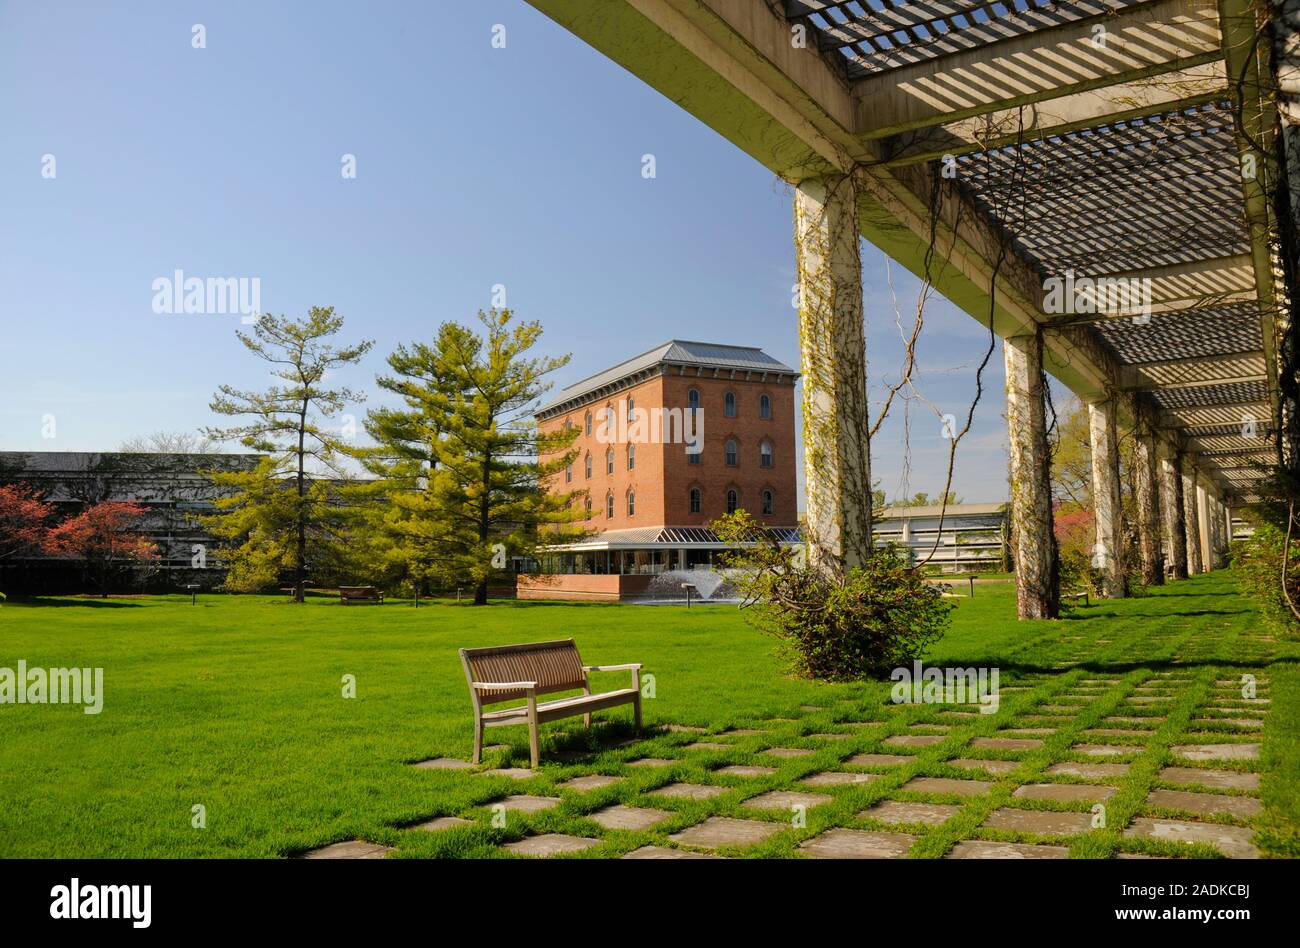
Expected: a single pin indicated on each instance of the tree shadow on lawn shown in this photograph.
(1076, 616)
(1124, 667)
(48, 602)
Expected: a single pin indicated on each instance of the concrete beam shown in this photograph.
(1140, 42)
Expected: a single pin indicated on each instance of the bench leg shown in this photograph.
(478, 742)
(636, 710)
(586, 718)
(534, 749)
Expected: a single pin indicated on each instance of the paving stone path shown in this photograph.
(1122, 761)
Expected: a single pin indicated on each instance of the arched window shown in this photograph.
(693, 400)
(765, 454)
(764, 406)
(589, 424)
(609, 506)
(588, 464)
(587, 505)
(697, 500)
(768, 504)
(729, 405)
(609, 460)
(733, 501)
(568, 474)
(631, 409)
(732, 453)
(631, 503)
(631, 456)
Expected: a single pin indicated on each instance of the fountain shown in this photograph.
(710, 586)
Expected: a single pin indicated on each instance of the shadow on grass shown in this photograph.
(47, 602)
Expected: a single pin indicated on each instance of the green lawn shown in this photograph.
(236, 704)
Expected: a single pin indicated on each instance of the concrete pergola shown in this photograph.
(999, 149)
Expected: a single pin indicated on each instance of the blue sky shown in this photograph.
(475, 166)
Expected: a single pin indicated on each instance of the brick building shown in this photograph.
(668, 442)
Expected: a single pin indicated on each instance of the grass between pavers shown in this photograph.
(235, 704)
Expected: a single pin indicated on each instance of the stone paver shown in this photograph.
(984, 849)
(443, 763)
(1105, 750)
(663, 852)
(857, 844)
(788, 752)
(1065, 792)
(1206, 803)
(743, 732)
(588, 782)
(1232, 841)
(685, 729)
(651, 762)
(708, 746)
(898, 811)
(514, 773)
(1006, 743)
(746, 770)
(1039, 821)
(1147, 699)
(688, 791)
(992, 766)
(1217, 751)
(831, 737)
(442, 823)
(550, 844)
(877, 760)
(526, 803)
(1013, 729)
(785, 800)
(837, 778)
(719, 831)
(1115, 732)
(1219, 779)
(1152, 720)
(621, 817)
(964, 788)
(1250, 724)
(914, 740)
(1089, 771)
(352, 849)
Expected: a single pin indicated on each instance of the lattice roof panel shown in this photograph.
(1186, 334)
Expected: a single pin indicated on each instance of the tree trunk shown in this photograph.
(484, 518)
(299, 566)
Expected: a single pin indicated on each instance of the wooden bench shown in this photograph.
(1080, 595)
(510, 672)
(360, 594)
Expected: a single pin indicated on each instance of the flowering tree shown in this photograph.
(103, 539)
(23, 518)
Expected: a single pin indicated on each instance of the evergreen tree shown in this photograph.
(285, 516)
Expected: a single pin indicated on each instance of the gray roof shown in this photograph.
(680, 352)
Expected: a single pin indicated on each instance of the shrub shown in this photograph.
(1258, 562)
(878, 617)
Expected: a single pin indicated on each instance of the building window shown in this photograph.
(631, 409)
(568, 474)
(695, 457)
(609, 506)
(765, 454)
(696, 500)
(631, 456)
(609, 461)
(764, 406)
(631, 503)
(588, 464)
(767, 502)
(693, 400)
(733, 501)
(729, 405)
(732, 453)
(588, 424)
(587, 505)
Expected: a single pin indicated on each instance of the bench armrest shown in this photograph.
(631, 666)
(504, 685)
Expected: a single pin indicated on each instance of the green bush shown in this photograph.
(1258, 562)
(878, 617)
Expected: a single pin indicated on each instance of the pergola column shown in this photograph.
(1191, 518)
(1204, 533)
(1171, 513)
(1108, 552)
(1037, 565)
(837, 456)
(1147, 490)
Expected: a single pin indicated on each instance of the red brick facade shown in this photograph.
(662, 477)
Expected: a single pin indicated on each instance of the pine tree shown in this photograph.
(463, 467)
(284, 516)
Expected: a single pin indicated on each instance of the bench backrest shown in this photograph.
(555, 666)
(358, 592)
